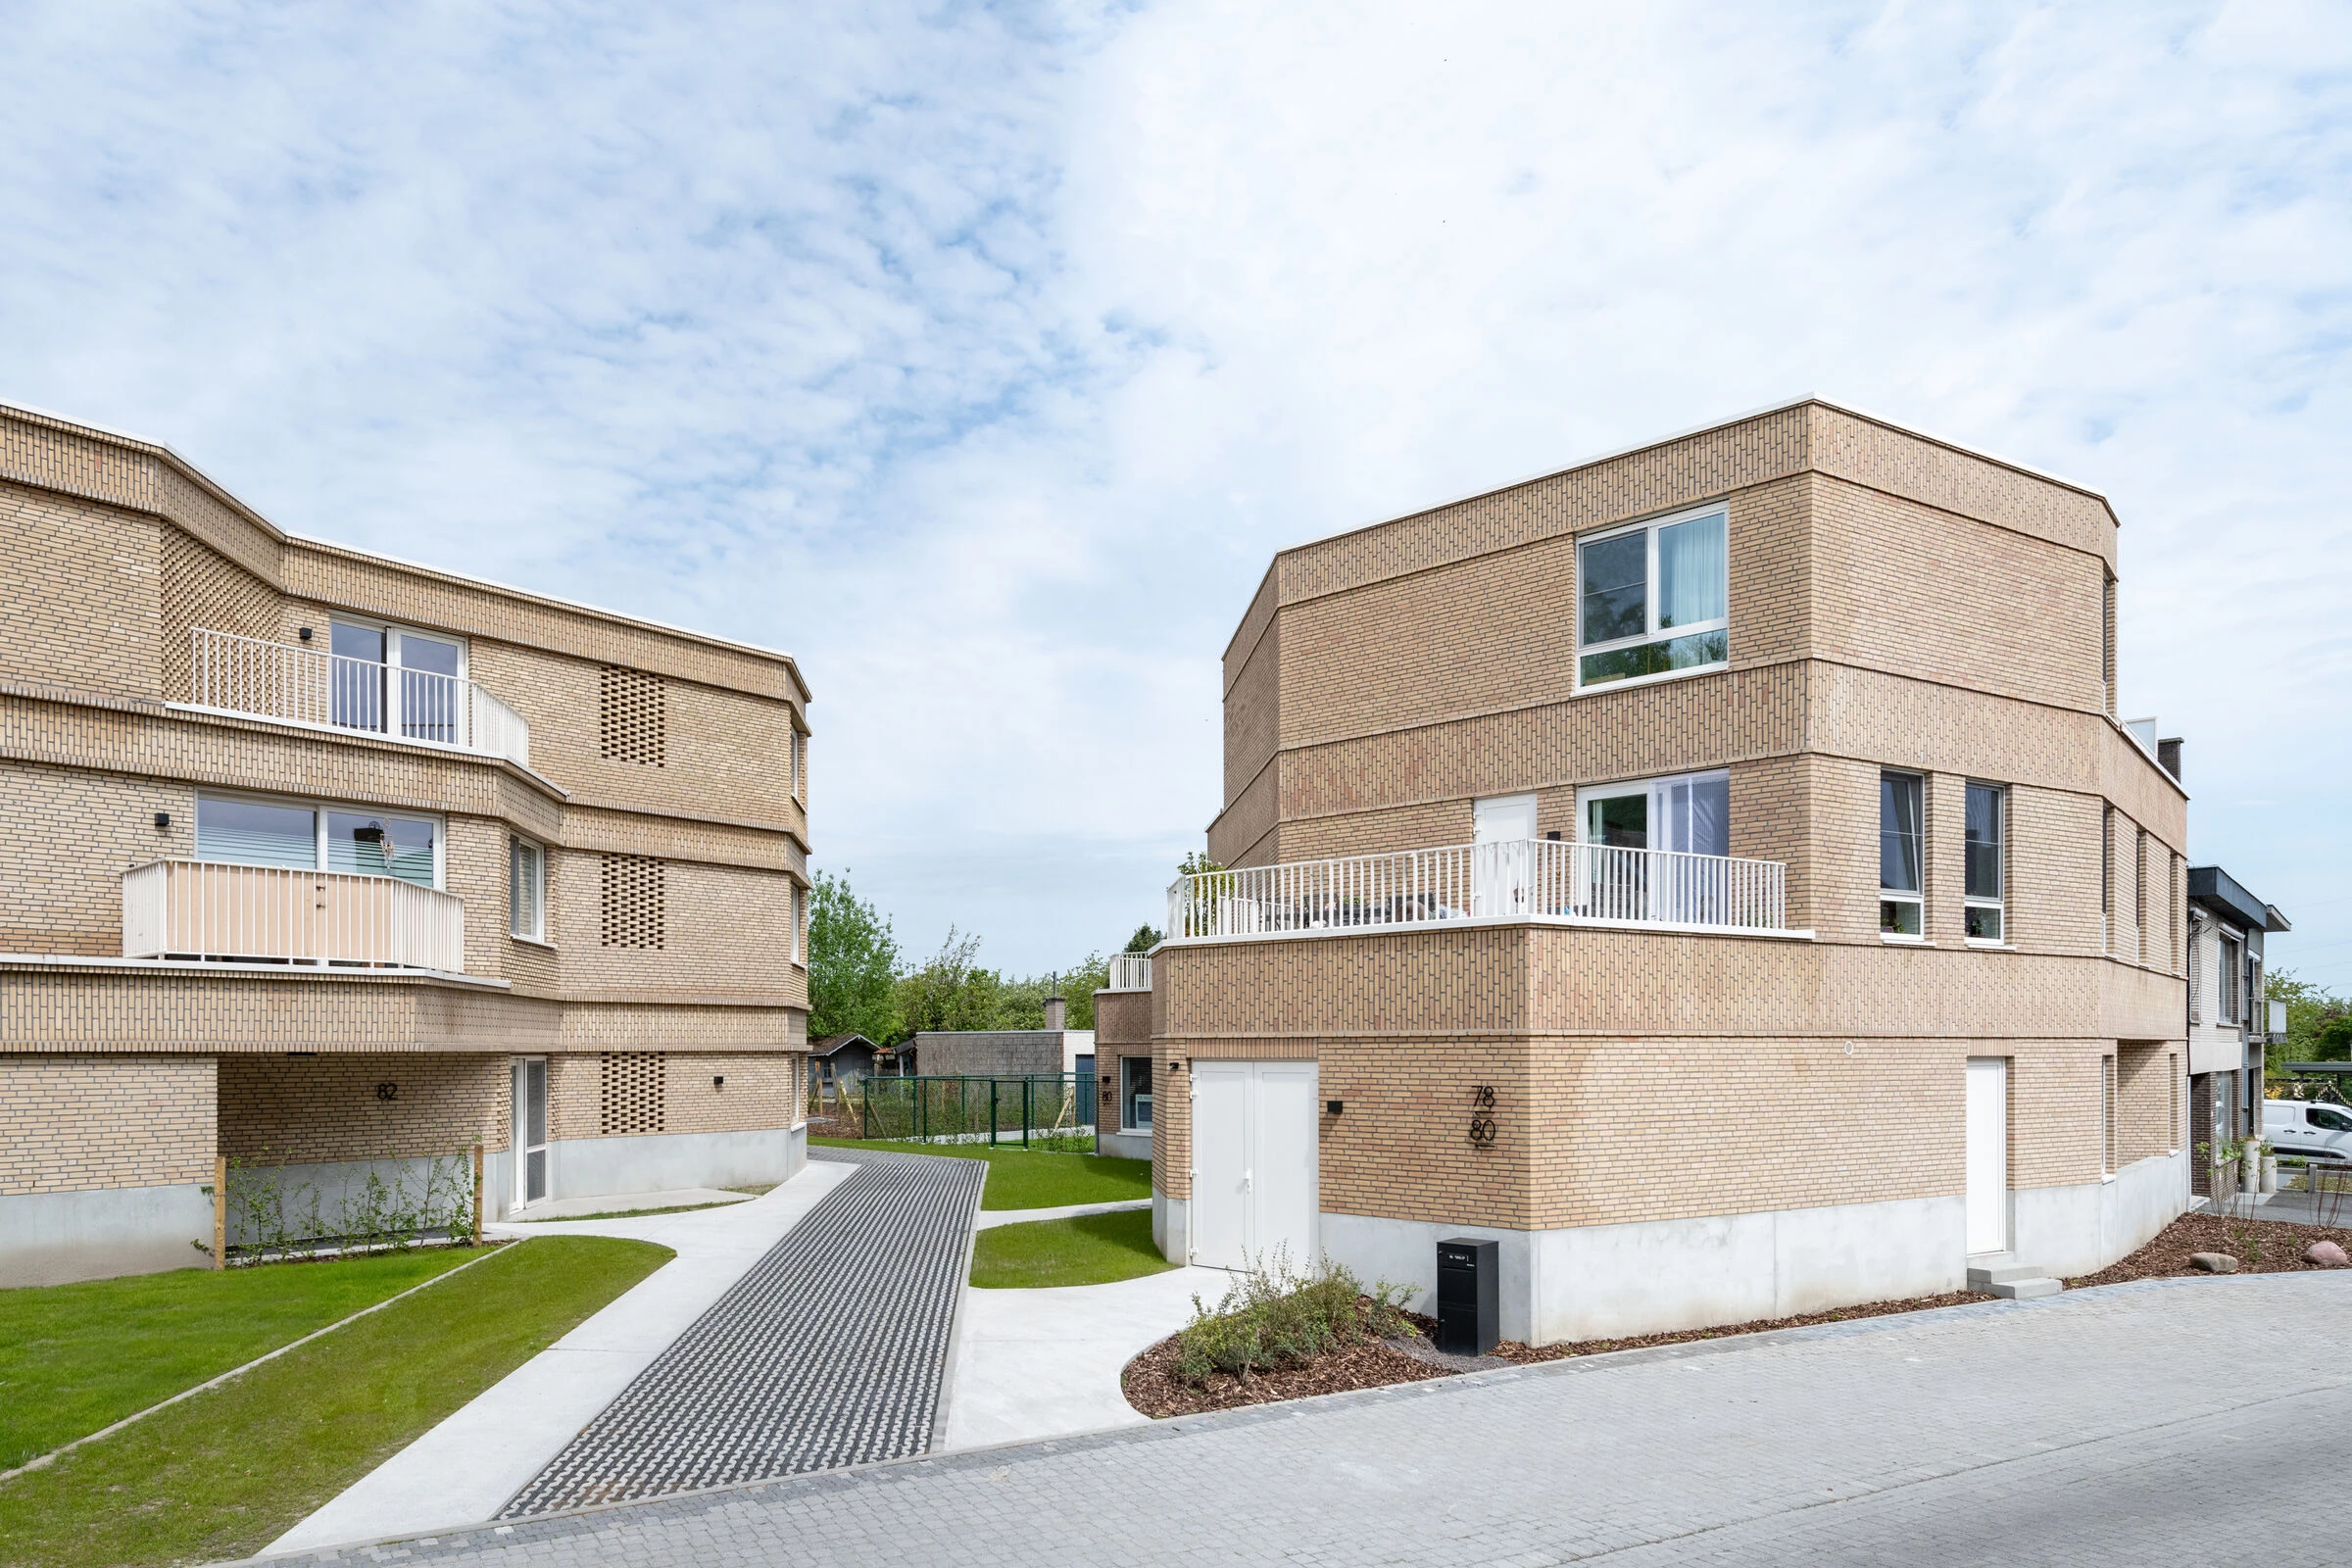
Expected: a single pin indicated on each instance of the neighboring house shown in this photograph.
(1687, 870)
(2228, 1019)
(319, 859)
(841, 1059)
(1123, 1059)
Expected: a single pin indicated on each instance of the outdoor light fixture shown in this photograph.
(1331, 1108)
(718, 1080)
(304, 634)
(163, 819)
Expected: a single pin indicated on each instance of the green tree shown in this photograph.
(852, 965)
(1145, 938)
(951, 990)
(2318, 1022)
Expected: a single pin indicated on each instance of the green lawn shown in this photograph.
(77, 1357)
(1021, 1178)
(221, 1475)
(1089, 1249)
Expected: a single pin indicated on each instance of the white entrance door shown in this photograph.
(529, 1136)
(1254, 1163)
(1502, 833)
(1988, 1153)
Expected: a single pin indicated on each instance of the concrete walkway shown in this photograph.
(1032, 1365)
(2161, 1422)
(463, 1470)
(626, 1202)
(990, 1218)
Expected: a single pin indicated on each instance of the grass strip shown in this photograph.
(74, 1358)
(1085, 1250)
(225, 1473)
(1025, 1178)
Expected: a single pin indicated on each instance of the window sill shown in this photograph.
(532, 942)
(1584, 690)
(1895, 941)
(1979, 945)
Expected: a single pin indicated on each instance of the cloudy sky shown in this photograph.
(981, 357)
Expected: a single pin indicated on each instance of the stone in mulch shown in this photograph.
(2327, 1255)
(2259, 1247)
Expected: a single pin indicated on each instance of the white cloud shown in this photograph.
(982, 358)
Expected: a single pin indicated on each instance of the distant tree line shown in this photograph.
(860, 983)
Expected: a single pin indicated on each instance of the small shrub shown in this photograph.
(1271, 1318)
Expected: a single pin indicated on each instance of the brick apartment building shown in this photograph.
(1716, 872)
(314, 857)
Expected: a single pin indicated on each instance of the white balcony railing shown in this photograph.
(1130, 971)
(208, 910)
(276, 680)
(1522, 879)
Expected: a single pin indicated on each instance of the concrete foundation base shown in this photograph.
(57, 1238)
(600, 1168)
(2066, 1231)
(1594, 1282)
(1124, 1146)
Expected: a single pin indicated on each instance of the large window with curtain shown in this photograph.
(310, 838)
(1900, 886)
(1654, 600)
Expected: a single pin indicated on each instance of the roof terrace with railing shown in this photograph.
(1544, 880)
(248, 677)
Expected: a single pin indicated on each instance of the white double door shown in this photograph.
(1254, 1163)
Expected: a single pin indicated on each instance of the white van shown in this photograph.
(2309, 1129)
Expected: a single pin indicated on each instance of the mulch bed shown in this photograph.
(2260, 1246)
(1152, 1387)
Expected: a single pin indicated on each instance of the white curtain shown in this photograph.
(1691, 573)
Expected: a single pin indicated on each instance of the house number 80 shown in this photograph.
(1482, 1119)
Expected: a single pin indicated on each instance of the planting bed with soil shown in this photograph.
(2260, 1246)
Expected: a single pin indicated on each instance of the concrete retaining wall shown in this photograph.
(57, 1238)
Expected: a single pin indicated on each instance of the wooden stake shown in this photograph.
(219, 1211)
(477, 1195)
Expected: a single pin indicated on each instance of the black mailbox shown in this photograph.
(1469, 1295)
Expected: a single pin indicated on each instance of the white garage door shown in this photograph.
(1254, 1163)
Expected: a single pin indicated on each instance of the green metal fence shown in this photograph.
(1007, 1108)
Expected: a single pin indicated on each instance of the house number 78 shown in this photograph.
(1482, 1116)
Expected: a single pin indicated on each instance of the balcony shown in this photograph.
(1129, 971)
(1526, 879)
(202, 910)
(236, 674)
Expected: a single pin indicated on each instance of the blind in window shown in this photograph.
(250, 833)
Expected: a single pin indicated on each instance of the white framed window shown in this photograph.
(1135, 1094)
(800, 923)
(1654, 600)
(246, 830)
(1688, 812)
(393, 680)
(2226, 970)
(1900, 885)
(526, 889)
(1984, 898)
(800, 767)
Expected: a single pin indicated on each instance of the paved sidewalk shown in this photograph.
(1033, 1364)
(2159, 1422)
(464, 1469)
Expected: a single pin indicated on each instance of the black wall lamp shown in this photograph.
(304, 634)
(718, 1080)
(163, 819)
(1331, 1108)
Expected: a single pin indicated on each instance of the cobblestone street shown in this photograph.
(2167, 1421)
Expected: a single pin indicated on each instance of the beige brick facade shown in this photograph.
(671, 751)
(1896, 604)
